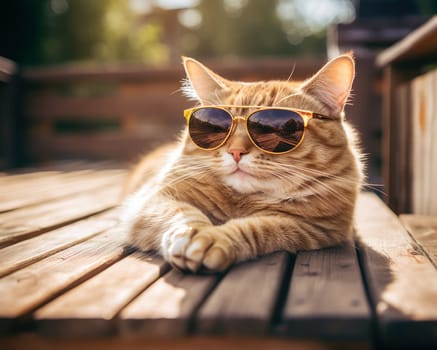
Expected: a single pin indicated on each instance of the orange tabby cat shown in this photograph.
(207, 209)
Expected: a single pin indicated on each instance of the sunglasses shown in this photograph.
(273, 130)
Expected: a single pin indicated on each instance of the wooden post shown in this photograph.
(9, 116)
(401, 63)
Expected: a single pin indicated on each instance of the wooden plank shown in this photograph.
(424, 231)
(30, 287)
(150, 102)
(36, 342)
(166, 308)
(80, 73)
(52, 191)
(375, 31)
(39, 178)
(424, 158)
(265, 69)
(400, 180)
(327, 299)
(45, 188)
(402, 281)
(10, 120)
(419, 116)
(90, 308)
(390, 80)
(393, 77)
(34, 249)
(418, 45)
(28, 222)
(244, 302)
(120, 146)
(36, 178)
(54, 167)
(43, 175)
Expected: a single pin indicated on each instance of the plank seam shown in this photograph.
(281, 298)
(375, 336)
(191, 329)
(166, 268)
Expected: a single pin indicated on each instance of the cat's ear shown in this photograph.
(332, 84)
(202, 83)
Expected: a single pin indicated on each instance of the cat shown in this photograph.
(205, 210)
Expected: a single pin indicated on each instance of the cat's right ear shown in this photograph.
(332, 84)
(203, 84)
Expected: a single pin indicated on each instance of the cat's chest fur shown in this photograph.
(222, 203)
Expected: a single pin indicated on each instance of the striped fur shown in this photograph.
(201, 215)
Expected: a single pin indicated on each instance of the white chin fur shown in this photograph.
(241, 181)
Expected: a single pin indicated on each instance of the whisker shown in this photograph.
(171, 182)
(285, 97)
(307, 179)
(317, 192)
(274, 103)
(350, 180)
(219, 100)
(317, 172)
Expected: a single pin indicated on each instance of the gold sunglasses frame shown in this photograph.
(306, 116)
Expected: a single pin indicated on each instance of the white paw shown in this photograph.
(200, 251)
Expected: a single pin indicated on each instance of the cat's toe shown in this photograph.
(199, 251)
(216, 259)
(196, 251)
(178, 261)
(198, 248)
(179, 245)
(192, 266)
(176, 255)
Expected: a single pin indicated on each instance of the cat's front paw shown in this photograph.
(200, 250)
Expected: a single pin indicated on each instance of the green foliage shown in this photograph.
(104, 31)
(248, 31)
(111, 31)
(261, 28)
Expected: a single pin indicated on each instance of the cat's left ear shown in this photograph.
(203, 85)
(332, 84)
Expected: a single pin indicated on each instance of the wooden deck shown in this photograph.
(67, 282)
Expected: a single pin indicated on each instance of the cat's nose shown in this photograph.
(237, 153)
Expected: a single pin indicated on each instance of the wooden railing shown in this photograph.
(410, 121)
(119, 112)
(9, 116)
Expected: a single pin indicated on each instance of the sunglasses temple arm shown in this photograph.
(187, 114)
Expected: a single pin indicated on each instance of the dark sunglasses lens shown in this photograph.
(276, 130)
(209, 127)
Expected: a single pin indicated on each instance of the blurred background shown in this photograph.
(158, 32)
(100, 79)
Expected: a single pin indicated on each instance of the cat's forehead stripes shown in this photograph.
(259, 94)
